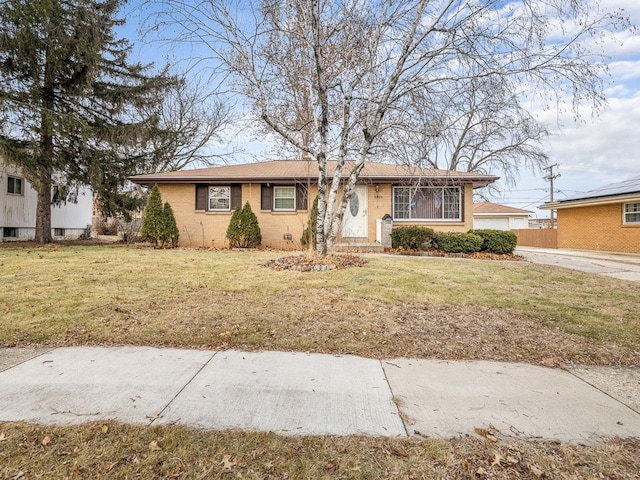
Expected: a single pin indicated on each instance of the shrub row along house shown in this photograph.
(281, 192)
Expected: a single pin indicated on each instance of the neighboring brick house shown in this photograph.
(280, 193)
(499, 217)
(607, 218)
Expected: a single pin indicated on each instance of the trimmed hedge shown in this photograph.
(497, 241)
(458, 242)
(412, 238)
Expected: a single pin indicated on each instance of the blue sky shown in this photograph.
(591, 152)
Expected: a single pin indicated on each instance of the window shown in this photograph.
(58, 232)
(14, 185)
(427, 203)
(220, 198)
(9, 232)
(632, 212)
(284, 198)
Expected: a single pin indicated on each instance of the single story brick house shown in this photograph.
(280, 193)
(607, 218)
(499, 217)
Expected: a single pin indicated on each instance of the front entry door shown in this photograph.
(354, 223)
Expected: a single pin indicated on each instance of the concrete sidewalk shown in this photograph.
(298, 393)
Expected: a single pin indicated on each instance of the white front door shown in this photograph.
(354, 222)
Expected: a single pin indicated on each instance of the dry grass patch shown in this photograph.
(112, 450)
(391, 307)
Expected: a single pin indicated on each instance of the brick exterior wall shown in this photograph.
(597, 227)
(209, 229)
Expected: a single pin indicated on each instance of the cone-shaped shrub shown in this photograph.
(171, 232)
(153, 221)
(243, 230)
(312, 226)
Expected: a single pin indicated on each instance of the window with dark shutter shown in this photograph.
(301, 197)
(236, 196)
(266, 197)
(202, 197)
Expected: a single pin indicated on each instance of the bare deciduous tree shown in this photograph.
(473, 126)
(353, 64)
(190, 118)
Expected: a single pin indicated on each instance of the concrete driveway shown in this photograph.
(615, 265)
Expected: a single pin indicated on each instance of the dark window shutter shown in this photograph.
(301, 196)
(462, 212)
(202, 197)
(266, 195)
(236, 196)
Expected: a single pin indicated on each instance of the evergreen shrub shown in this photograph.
(312, 226)
(412, 238)
(159, 223)
(497, 241)
(458, 242)
(243, 230)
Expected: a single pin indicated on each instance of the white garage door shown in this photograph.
(493, 223)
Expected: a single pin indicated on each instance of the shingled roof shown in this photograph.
(301, 170)
(488, 208)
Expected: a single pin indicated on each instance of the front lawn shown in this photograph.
(115, 451)
(393, 306)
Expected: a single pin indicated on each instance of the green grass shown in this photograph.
(211, 299)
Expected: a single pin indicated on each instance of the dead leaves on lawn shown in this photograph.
(129, 451)
(308, 263)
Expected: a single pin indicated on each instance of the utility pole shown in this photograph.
(551, 177)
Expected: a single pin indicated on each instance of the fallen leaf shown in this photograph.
(400, 452)
(486, 434)
(481, 471)
(46, 440)
(2, 437)
(228, 463)
(105, 428)
(153, 446)
(497, 458)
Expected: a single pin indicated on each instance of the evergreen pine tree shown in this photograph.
(171, 232)
(243, 230)
(251, 229)
(312, 226)
(71, 102)
(153, 222)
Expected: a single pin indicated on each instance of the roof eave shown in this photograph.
(150, 179)
(585, 202)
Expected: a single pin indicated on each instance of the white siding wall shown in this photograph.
(499, 223)
(19, 211)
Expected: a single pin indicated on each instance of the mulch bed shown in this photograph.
(308, 263)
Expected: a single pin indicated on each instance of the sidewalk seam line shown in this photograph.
(606, 393)
(161, 413)
(29, 359)
(386, 379)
